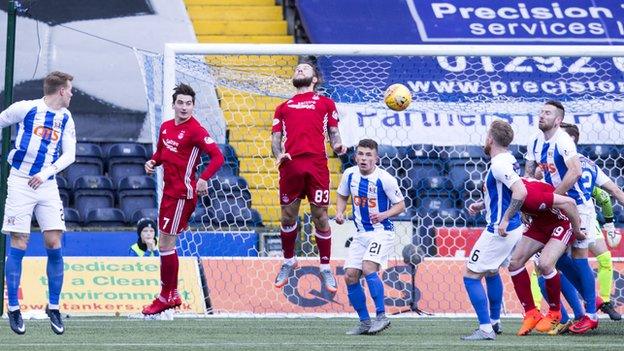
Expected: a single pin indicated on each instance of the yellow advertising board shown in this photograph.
(108, 285)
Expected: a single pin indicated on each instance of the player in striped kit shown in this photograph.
(504, 194)
(45, 145)
(375, 198)
(555, 153)
(593, 174)
(181, 142)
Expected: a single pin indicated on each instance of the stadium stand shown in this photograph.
(92, 192)
(105, 217)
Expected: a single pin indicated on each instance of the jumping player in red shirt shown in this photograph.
(181, 142)
(554, 224)
(300, 127)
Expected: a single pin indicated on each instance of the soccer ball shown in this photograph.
(397, 97)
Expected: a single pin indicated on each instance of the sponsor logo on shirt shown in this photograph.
(172, 145)
(304, 105)
(46, 133)
(363, 201)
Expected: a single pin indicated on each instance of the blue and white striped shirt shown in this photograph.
(500, 177)
(43, 135)
(373, 193)
(551, 157)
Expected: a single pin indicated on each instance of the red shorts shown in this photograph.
(544, 230)
(174, 214)
(304, 176)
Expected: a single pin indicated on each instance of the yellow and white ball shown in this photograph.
(397, 97)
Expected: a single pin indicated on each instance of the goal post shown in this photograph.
(433, 148)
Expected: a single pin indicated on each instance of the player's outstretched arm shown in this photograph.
(341, 207)
(572, 175)
(518, 194)
(336, 141)
(568, 206)
(394, 210)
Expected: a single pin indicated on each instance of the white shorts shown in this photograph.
(492, 251)
(22, 201)
(587, 212)
(370, 246)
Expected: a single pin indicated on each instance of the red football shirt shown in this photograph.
(179, 152)
(539, 201)
(304, 120)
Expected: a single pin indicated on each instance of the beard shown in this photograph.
(302, 82)
(487, 148)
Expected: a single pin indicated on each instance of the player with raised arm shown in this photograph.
(555, 152)
(298, 138)
(44, 146)
(504, 193)
(375, 198)
(593, 174)
(549, 232)
(181, 142)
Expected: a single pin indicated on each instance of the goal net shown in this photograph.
(433, 148)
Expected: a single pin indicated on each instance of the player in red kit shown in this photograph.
(554, 224)
(181, 142)
(300, 127)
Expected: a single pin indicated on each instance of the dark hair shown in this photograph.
(557, 104)
(317, 73)
(54, 81)
(142, 224)
(183, 89)
(571, 129)
(501, 132)
(368, 143)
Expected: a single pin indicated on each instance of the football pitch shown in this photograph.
(305, 334)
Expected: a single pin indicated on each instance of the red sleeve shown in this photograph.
(332, 121)
(277, 120)
(157, 154)
(210, 147)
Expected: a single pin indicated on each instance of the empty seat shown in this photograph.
(435, 186)
(72, 217)
(421, 169)
(430, 204)
(449, 217)
(105, 217)
(389, 159)
(64, 189)
(92, 192)
(83, 168)
(151, 213)
(463, 151)
(222, 186)
(460, 170)
(136, 193)
(238, 217)
(126, 159)
(416, 151)
(229, 154)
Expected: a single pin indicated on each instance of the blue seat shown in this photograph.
(477, 220)
(122, 169)
(72, 217)
(406, 215)
(229, 166)
(105, 217)
(64, 189)
(435, 186)
(229, 186)
(89, 151)
(151, 213)
(348, 159)
(419, 169)
(127, 150)
(430, 204)
(227, 203)
(136, 193)
(82, 168)
(237, 217)
(518, 151)
(227, 170)
(92, 192)
(460, 170)
(463, 152)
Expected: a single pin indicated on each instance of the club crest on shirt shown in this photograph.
(542, 206)
(209, 140)
(372, 188)
(550, 153)
(285, 198)
(164, 132)
(181, 135)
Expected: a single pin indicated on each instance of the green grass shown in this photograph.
(305, 334)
